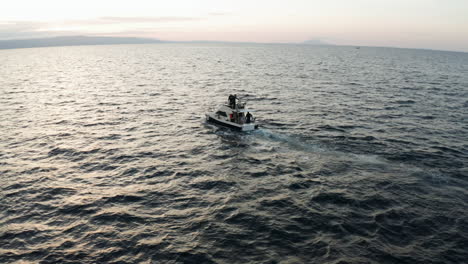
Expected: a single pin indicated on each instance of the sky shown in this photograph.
(429, 24)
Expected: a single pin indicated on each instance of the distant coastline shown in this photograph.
(317, 42)
(65, 41)
(98, 40)
(72, 41)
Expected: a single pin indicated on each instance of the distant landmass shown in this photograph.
(72, 41)
(97, 40)
(315, 42)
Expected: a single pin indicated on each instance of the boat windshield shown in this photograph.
(241, 104)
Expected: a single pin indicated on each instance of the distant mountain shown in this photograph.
(315, 42)
(90, 40)
(72, 41)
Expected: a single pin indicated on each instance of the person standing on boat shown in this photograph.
(232, 101)
(248, 117)
(234, 98)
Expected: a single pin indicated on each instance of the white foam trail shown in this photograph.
(299, 144)
(290, 140)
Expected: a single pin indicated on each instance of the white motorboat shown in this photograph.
(234, 115)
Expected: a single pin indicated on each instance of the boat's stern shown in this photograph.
(249, 127)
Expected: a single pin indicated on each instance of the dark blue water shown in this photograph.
(105, 156)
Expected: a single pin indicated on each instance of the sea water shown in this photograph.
(105, 155)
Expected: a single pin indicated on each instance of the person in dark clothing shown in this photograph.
(232, 101)
(248, 117)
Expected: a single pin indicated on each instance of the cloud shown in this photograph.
(19, 26)
(219, 14)
(147, 19)
(32, 29)
(113, 20)
(21, 29)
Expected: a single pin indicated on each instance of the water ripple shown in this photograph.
(106, 158)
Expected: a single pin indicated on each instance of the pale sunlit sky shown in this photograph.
(432, 24)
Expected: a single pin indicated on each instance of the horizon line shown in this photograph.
(162, 41)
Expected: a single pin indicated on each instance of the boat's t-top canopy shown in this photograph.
(237, 105)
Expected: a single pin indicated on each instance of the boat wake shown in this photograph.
(297, 143)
